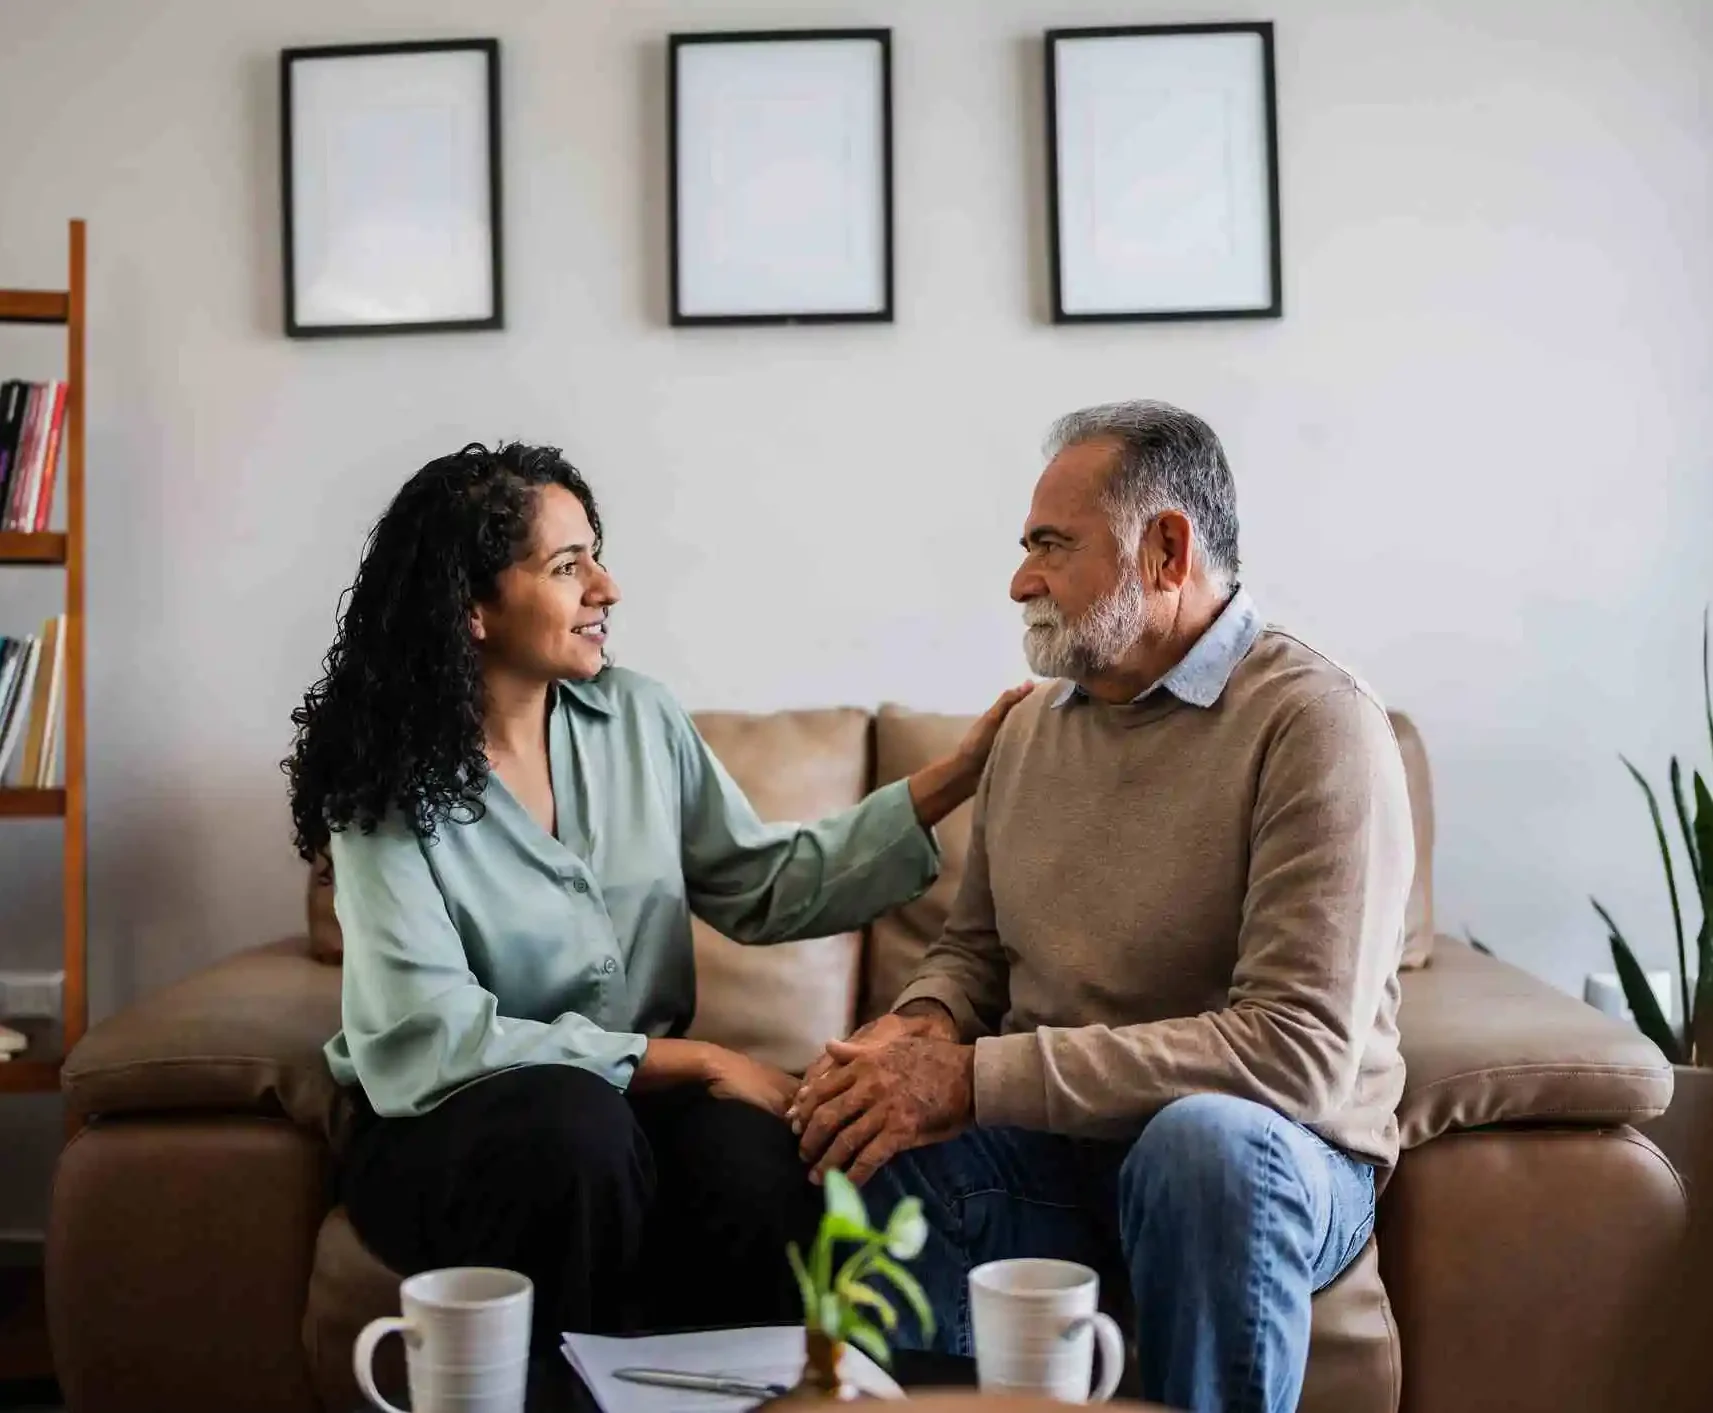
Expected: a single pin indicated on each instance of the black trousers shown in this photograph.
(628, 1212)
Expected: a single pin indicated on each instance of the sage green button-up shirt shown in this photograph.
(497, 944)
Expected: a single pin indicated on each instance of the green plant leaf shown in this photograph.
(906, 1230)
(1706, 680)
(843, 1229)
(805, 1284)
(1644, 1005)
(866, 1295)
(1670, 882)
(844, 1202)
(821, 1258)
(910, 1290)
(1692, 847)
(833, 1316)
(870, 1340)
(1699, 1032)
(1690, 842)
(1704, 938)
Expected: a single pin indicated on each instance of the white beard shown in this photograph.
(1094, 643)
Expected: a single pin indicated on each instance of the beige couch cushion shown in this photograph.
(904, 741)
(1418, 920)
(244, 1034)
(783, 1003)
(1486, 1043)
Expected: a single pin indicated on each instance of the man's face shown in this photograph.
(1082, 598)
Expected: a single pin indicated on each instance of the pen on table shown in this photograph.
(700, 1383)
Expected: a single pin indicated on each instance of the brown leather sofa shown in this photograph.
(196, 1259)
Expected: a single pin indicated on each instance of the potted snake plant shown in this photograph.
(1685, 1131)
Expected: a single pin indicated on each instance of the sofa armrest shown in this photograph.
(242, 1035)
(1486, 1043)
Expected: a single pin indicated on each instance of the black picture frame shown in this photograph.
(676, 44)
(289, 58)
(1275, 306)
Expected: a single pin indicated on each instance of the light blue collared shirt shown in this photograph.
(498, 943)
(1201, 675)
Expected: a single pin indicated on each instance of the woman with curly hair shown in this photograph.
(518, 833)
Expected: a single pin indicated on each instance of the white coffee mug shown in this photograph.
(466, 1341)
(1036, 1323)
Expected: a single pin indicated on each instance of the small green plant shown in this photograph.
(1694, 1044)
(838, 1299)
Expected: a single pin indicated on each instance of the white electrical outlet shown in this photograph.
(28, 995)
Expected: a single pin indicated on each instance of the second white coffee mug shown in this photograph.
(466, 1337)
(1036, 1324)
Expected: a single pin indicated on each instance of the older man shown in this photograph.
(1158, 1035)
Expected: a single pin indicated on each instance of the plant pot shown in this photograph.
(820, 1382)
(1684, 1132)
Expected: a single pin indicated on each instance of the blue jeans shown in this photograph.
(1222, 1220)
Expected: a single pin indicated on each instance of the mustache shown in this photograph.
(1042, 613)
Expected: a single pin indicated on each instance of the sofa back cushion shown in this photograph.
(906, 740)
(783, 1003)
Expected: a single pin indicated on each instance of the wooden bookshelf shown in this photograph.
(38, 1068)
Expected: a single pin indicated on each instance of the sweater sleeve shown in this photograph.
(966, 969)
(1331, 861)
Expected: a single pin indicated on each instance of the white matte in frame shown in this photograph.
(390, 188)
(781, 178)
(1163, 160)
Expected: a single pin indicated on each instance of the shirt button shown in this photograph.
(581, 885)
(609, 966)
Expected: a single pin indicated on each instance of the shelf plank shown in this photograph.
(29, 1077)
(32, 804)
(34, 306)
(31, 548)
(35, 1070)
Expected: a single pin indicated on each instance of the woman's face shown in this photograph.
(548, 616)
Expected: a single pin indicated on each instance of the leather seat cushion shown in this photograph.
(783, 1003)
(349, 1286)
(1486, 1043)
(1354, 1365)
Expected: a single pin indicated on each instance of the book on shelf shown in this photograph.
(32, 695)
(32, 423)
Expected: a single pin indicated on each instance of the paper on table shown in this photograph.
(772, 1355)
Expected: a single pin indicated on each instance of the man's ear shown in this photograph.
(1168, 547)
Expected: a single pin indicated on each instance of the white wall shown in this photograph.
(1472, 458)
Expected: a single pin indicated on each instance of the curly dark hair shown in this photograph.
(396, 720)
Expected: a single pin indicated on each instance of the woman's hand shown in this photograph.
(938, 789)
(734, 1076)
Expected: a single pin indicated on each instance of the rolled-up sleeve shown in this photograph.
(417, 1023)
(761, 882)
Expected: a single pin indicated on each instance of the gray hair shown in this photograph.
(1168, 459)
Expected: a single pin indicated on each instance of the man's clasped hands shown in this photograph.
(902, 1081)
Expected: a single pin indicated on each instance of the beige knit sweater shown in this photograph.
(1162, 900)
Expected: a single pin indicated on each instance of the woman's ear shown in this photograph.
(478, 627)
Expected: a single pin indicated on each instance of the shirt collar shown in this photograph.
(590, 693)
(1201, 675)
